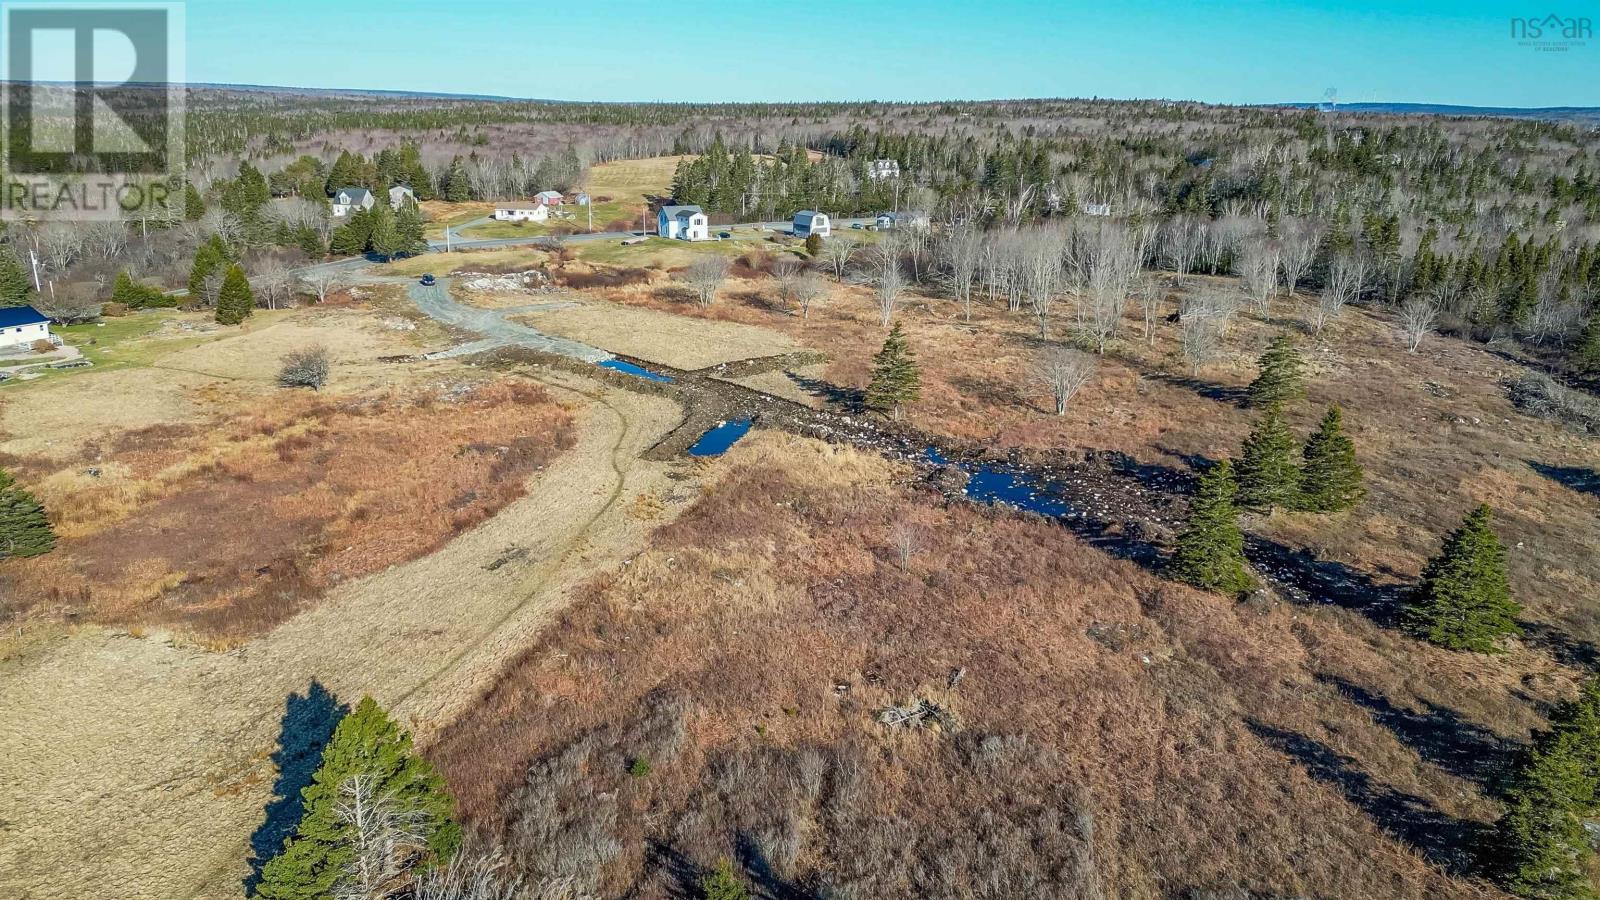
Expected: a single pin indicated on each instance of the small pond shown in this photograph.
(629, 368)
(993, 486)
(717, 441)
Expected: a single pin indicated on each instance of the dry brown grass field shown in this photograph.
(1138, 738)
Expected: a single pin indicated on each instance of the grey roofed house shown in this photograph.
(353, 196)
(673, 212)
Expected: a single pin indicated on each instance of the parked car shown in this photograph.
(428, 279)
(856, 225)
(723, 235)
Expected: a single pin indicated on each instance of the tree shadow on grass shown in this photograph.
(768, 886)
(1438, 734)
(1443, 839)
(851, 399)
(1233, 396)
(1584, 481)
(308, 723)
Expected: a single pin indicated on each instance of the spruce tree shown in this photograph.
(1585, 356)
(1331, 478)
(1268, 476)
(366, 743)
(1281, 379)
(1541, 847)
(193, 206)
(16, 286)
(24, 528)
(235, 302)
(1210, 552)
(456, 187)
(1464, 602)
(209, 257)
(895, 378)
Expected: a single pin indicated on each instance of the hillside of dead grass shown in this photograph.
(1110, 734)
(225, 527)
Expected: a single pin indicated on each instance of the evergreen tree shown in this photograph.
(456, 187)
(16, 286)
(24, 528)
(384, 239)
(369, 744)
(1210, 551)
(1585, 356)
(721, 884)
(1280, 379)
(235, 302)
(1464, 602)
(209, 257)
(193, 206)
(136, 295)
(896, 380)
(1541, 847)
(354, 236)
(1331, 478)
(1268, 476)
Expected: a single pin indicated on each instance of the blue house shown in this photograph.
(21, 326)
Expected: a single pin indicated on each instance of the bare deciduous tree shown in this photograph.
(387, 843)
(1199, 341)
(1180, 242)
(906, 539)
(305, 368)
(321, 282)
(1297, 250)
(1064, 372)
(706, 275)
(1416, 319)
(786, 271)
(1258, 271)
(963, 250)
(1347, 277)
(1150, 292)
(837, 253)
(889, 282)
(271, 281)
(807, 289)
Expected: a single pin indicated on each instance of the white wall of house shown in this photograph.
(697, 229)
(818, 226)
(519, 214)
(24, 335)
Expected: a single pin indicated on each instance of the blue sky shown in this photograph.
(1228, 52)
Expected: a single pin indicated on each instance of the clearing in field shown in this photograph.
(658, 336)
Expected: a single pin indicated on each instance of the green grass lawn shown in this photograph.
(124, 342)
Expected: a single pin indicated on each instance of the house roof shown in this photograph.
(807, 214)
(12, 316)
(357, 194)
(674, 212)
(402, 188)
(548, 194)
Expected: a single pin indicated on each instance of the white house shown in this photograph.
(808, 222)
(348, 200)
(880, 169)
(399, 195)
(21, 326)
(521, 212)
(684, 223)
(550, 198)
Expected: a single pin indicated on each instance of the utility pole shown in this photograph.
(34, 258)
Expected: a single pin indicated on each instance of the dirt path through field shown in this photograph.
(132, 768)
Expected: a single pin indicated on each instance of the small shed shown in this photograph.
(808, 222)
(550, 198)
(22, 326)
